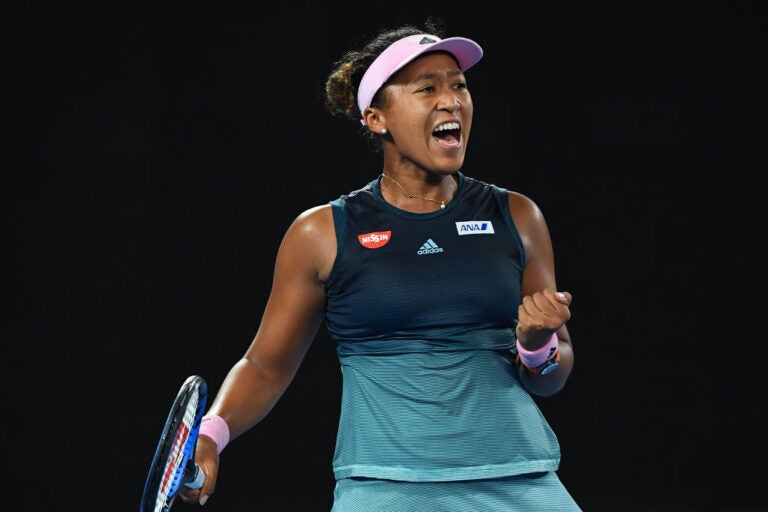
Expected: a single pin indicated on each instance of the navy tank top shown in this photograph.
(424, 308)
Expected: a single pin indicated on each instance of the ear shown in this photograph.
(375, 120)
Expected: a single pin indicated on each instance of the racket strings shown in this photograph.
(174, 455)
(178, 455)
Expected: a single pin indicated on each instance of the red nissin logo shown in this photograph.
(375, 240)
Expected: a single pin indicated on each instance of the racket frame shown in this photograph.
(173, 463)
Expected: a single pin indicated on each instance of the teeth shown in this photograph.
(448, 126)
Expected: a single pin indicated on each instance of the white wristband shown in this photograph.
(216, 428)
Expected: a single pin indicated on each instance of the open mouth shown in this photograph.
(448, 133)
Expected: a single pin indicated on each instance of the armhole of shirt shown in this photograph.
(338, 208)
(502, 198)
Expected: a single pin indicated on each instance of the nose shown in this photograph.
(449, 102)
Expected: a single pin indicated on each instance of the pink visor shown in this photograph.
(403, 51)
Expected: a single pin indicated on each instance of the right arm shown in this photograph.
(541, 312)
(293, 314)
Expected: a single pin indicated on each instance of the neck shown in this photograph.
(401, 190)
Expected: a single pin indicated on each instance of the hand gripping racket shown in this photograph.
(174, 460)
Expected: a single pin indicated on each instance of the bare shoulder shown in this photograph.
(523, 209)
(315, 220)
(311, 238)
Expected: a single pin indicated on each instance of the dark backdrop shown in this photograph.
(157, 153)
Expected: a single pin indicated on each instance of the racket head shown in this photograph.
(173, 463)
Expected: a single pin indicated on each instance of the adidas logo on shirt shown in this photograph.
(429, 247)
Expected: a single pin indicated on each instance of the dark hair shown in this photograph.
(344, 79)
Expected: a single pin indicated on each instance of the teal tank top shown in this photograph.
(423, 308)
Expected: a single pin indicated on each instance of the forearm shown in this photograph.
(247, 394)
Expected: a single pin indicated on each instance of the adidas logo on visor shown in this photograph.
(427, 40)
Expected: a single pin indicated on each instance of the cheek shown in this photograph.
(403, 111)
(414, 110)
(468, 111)
(410, 116)
(467, 102)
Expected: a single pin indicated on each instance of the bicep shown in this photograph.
(296, 304)
(539, 271)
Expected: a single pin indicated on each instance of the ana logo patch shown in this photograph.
(375, 239)
(474, 227)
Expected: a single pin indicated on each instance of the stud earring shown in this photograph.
(383, 131)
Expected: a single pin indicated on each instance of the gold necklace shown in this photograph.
(414, 196)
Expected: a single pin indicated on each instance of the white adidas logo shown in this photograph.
(429, 247)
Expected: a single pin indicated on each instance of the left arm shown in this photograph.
(543, 310)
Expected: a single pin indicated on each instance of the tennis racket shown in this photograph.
(174, 460)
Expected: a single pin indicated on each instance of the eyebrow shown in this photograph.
(427, 76)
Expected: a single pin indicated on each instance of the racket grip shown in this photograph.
(198, 478)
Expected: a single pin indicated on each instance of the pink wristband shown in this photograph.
(216, 428)
(535, 358)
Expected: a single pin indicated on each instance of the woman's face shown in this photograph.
(428, 112)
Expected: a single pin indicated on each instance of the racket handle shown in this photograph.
(198, 478)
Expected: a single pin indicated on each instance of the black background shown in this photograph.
(158, 152)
